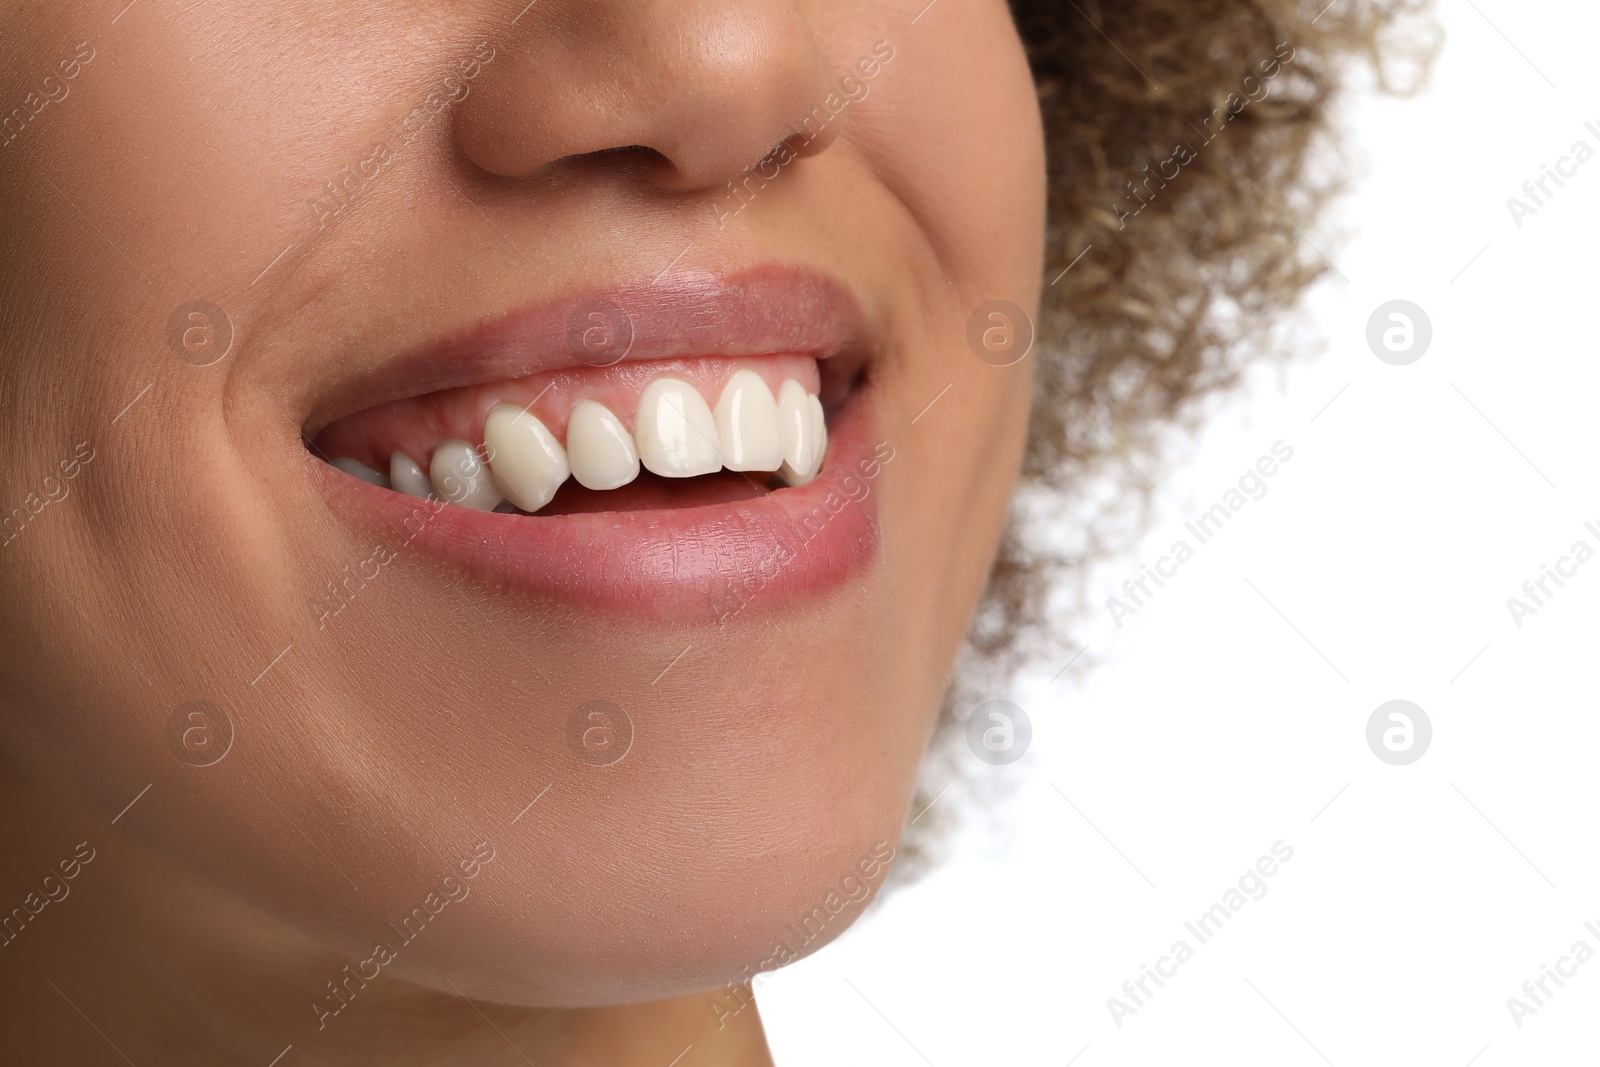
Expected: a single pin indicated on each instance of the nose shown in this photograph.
(699, 89)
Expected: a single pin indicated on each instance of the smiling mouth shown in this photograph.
(698, 430)
(706, 441)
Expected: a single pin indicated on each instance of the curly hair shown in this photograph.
(1181, 141)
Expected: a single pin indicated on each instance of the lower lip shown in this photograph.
(706, 564)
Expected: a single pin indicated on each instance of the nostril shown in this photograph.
(806, 143)
(639, 162)
(635, 154)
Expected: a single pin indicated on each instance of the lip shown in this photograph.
(705, 564)
(765, 310)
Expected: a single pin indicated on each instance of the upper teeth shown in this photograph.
(459, 475)
(748, 423)
(406, 475)
(673, 428)
(805, 435)
(599, 448)
(675, 435)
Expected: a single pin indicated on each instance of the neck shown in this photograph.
(135, 957)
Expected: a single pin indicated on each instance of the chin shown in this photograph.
(709, 929)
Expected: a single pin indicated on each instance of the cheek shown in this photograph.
(951, 131)
(952, 128)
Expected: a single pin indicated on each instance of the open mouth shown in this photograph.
(722, 445)
(638, 436)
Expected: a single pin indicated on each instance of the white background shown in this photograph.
(1230, 712)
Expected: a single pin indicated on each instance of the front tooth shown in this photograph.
(747, 424)
(600, 448)
(527, 461)
(674, 430)
(799, 433)
(361, 470)
(461, 477)
(406, 476)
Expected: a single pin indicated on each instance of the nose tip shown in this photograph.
(694, 90)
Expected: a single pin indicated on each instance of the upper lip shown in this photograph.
(767, 310)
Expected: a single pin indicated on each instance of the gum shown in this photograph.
(417, 425)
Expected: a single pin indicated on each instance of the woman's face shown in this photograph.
(242, 240)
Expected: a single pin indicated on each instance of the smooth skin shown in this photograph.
(190, 158)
